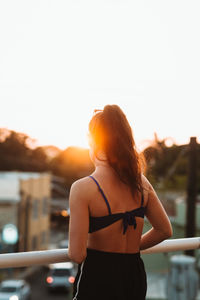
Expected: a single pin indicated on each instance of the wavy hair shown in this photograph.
(111, 132)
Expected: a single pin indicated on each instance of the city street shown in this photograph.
(39, 291)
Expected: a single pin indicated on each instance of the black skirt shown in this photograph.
(110, 276)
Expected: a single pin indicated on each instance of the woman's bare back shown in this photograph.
(120, 199)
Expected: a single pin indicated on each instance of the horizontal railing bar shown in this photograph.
(174, 245)
(45, 257)
(29, 258)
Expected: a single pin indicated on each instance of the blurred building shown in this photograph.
(59, 204)
(25, 201)
(33, 213)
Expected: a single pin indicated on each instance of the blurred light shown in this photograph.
(14, 297)
(10, 234)
(49, 279)
(71, 279)
(64, 213)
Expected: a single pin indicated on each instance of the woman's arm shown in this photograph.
(79, 221)
(161, 226)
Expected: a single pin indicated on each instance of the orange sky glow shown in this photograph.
(60, 60)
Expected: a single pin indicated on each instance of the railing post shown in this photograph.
(182, 283)
(191, 192)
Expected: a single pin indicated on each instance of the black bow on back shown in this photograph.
(129, 219)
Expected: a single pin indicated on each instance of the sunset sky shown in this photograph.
(59, 60)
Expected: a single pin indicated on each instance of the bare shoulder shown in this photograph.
(81, 188)
(149, 192)
(146, 184)
(80, 184)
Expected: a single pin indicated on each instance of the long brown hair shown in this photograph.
(111, 132)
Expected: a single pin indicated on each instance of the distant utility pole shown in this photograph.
(191, 193)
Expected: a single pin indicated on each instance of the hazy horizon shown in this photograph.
(141, 145)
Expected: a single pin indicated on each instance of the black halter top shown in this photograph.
(128, 217)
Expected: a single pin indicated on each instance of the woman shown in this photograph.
(107, 215)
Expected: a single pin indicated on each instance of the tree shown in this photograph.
(15, 154)
(72, 164)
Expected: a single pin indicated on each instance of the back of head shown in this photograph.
(111, 132)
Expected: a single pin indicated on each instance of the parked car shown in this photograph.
(15, 289)
(60, 276)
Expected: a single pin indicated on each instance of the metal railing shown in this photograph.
(22, 259)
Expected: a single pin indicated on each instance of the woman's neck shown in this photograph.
(101, 163)
(102, 166)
